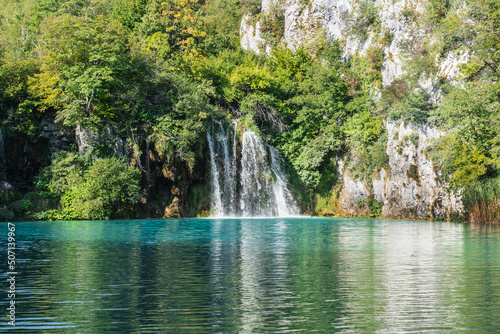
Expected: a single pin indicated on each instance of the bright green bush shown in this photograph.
(363, 161)
(375, 207)
(462, 163)
(103, 188)
(363, 128)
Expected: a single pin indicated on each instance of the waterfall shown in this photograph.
(285, 203)
(249, 184)
(216, 202)
(256, 178)
(223, 170)
(229, 180)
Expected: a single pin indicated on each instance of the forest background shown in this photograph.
(142, 81)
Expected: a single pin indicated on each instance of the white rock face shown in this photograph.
(267, 5)
(411, 188)
(304, 21)
(85, 138)
(352, 192)
(414, 188)
(379, 187)
(250, 36)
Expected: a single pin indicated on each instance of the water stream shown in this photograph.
(247, 181)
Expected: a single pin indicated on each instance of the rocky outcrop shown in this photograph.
(109, 139)
(25, 155)
(251, 36)
(353, 198)
(414, 187)
(410, 186)
(395, 32)
(174, 209)
(171, 189)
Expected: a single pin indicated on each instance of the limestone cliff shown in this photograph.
(410, 186)
(359, 26)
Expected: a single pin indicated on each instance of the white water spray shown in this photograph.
(285, 203)
(250, 184)
(216, 202)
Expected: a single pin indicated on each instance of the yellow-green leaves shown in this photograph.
(157, 45)
(463, 163)
(245, 79)
(85, 73)
(175, 29)
(43, 87)
(363, 128)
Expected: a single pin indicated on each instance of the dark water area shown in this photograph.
(253, 276)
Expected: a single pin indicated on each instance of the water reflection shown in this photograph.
(254, 276)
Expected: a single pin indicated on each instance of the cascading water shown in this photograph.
(284, 199)
(223, 171)
(249, 184)
(256, 178)
(216, 202)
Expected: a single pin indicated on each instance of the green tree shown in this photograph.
(103, 188)
(462, 162)
(483, 20)
(87, 61)
(172, 28)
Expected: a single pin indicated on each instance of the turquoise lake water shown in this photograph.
(300, 275)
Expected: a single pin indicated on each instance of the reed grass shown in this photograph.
(482, 202)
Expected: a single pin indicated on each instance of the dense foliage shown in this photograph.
(157, 73)
(98, 189)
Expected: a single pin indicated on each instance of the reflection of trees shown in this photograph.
(395, 273)
(224, 274)
(88, 280)
(361, 276)
(102, 278)
(316, 269)
(288, 275)
(479, 291)
(256, 276)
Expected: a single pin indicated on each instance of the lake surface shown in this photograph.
(253, 276)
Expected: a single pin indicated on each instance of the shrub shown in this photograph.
(414, 107)
(273, 24)
(363, 128)
(375, 206)
(364, 17)
(437, 9)
(361, 202)
(99, 189)
(367, 159)
(461, 163)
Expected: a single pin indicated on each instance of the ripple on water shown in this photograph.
(256, 275)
